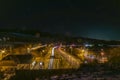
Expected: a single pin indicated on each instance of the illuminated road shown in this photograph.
(37, 47)
(74, 62)
(71, 59)
(50, 66)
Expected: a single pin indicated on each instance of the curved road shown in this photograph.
(50, 66)
(71, 59)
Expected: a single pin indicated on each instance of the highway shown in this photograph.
(71, 59)
(74, 62)
(51, 62)
(50, 66)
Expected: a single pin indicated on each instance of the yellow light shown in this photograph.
(3, 51)
(83, 50)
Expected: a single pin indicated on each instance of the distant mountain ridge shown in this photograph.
(48, 37)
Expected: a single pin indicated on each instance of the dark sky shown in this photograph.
(88, 18)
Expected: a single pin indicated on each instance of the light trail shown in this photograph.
(72, 60)
(50, 66)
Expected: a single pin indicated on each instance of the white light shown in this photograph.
(88, 45)
(41, 63)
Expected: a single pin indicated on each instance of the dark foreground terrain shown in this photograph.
(89, 72)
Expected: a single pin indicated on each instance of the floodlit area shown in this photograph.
(55, 56)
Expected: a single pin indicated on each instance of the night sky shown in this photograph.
(98, 19)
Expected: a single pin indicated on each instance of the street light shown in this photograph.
(3, 51)
(41, 65)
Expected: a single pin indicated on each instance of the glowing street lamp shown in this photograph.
(3, 51)
(83, 50)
